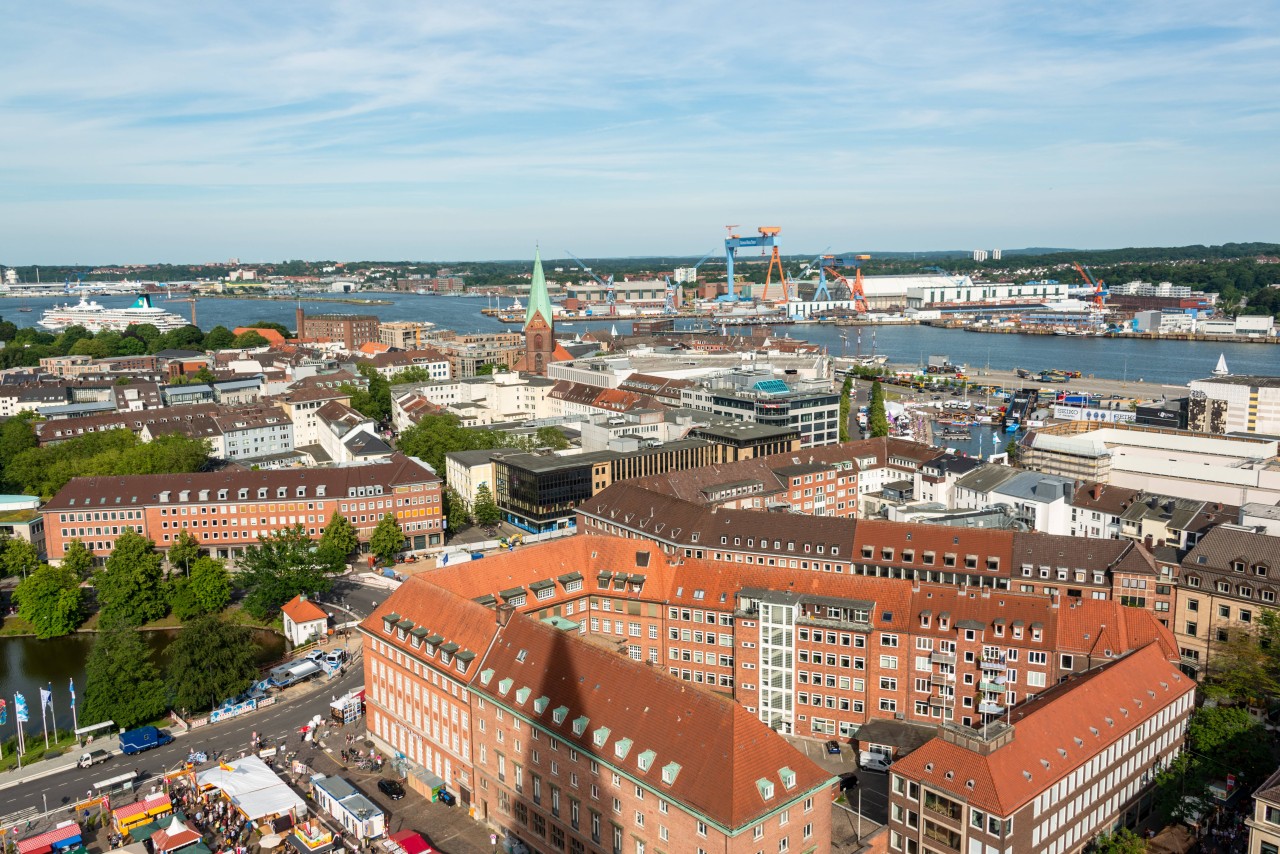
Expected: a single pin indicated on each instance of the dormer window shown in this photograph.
(300, 492)
(262, 492)
(243, 494)
(1237, 566)
(222, 495)
(908, 555)
(669, 773)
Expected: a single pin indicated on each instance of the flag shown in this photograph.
(4, 712)
(46, 697)
(20, 708)
(73, 693)
(225, 767)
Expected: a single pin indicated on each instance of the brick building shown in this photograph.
(352, 330)
(229, 510)
(571, 747)
(1076, 763)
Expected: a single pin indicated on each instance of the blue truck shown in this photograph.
(143, 738)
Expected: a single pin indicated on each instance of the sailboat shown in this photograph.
(1221, 370)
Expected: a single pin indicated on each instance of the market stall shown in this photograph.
(141, 812)
(63, 837)
(254, 789)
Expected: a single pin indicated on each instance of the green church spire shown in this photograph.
(539, 302)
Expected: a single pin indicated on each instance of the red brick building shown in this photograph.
(571, 747)
(352, 330)
(229, 510)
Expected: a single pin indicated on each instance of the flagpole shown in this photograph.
(44, 721)
(17, 721)
(75, 721)
(53, 714)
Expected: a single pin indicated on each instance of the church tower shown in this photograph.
(539, 340)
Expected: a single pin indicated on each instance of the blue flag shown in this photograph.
(20, 708)
(4, 712)
(73, 693)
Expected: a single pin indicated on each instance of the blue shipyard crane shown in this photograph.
(832, 264)
(767, 238)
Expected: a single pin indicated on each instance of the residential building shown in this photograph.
(1264, 822)
(228, 510)
(351, 330)
(467, 471)
(1042, 502)
(1077, 762)
(1223, 585)
(304, 620)
(73, 367)
(303, 405)
(435, 363)
(467, 354)
(345, 436)
(492, 702)
(504, 396)
(238, 434)
(405, 334)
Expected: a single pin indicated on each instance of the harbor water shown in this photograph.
(1152, 362)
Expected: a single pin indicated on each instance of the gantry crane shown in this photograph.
(1099, 287)
(829, 264)
(768, 237)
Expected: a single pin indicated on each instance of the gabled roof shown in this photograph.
(303, 610)
(1054, 734)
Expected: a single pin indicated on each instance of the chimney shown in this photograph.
(504, 612)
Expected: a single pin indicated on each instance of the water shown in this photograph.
(1154, 362)
(27, 664)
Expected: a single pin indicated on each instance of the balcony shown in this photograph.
(990, 708)
(942, 679)
(992, 687)
(942, 658)
(993, 664)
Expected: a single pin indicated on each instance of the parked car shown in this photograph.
(337, 656)
(869, 761)
(391, 788)
(314, 655)
(446, 797)
(833, 747)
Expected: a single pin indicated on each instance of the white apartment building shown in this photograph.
(1252, 404)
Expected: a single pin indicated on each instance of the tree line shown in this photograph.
(26, 346)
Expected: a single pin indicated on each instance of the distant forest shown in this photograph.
(1244, 274)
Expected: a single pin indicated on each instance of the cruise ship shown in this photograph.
(95, 317)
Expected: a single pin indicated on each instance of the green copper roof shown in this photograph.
(539, 302)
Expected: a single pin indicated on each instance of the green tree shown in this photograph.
(280, 567)
(129, 345)
(249, 338)
(455, 510)
(375, 401)
(219, 338)
(123, 684)
(550, 437)
(131, 586)
(1242, 670)
(877, 419)
(184, 550)
(414, 374)
(340, 537)
(1012, 449)
(484, 508)
(211, 660)
(1123, 841)
(20, 557)
(846, 399)
(204, 375)
(16, 435)
(50, 599)
(77, 558)
(210, 584)
(387, 539)
(146, 332)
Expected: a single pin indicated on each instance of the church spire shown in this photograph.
(539, 301)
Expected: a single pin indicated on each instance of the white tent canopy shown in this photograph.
(253, 788)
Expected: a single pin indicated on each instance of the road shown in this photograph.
(228, 738)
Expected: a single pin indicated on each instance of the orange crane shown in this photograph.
(1099, 294)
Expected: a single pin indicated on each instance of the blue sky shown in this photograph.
(157, 131)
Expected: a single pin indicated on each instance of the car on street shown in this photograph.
(446, 797)
(869, 761)
(833, 747)
(391, 788)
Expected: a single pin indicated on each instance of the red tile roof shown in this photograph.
(1097, 708)
(302, 610)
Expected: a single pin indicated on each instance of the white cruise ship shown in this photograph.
(95, 317)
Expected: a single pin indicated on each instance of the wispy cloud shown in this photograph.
(262, 129)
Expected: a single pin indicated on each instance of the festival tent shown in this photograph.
(253, 788)
(65, 835)
(173, 837)
(409, 842)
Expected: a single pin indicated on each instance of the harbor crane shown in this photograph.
(766, 239)
(830, 265)
(610, 296)
(1097, 286)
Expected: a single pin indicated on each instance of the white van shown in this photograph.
(869, 761)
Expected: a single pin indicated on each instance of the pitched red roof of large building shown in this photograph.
(1054, 733)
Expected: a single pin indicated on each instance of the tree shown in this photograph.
(339, 538)
(387, 538)
(249, 338)
(204, 375)
(1242, 670)
(20, 557)
(131, 586)
(206, 591)
(455, 510)
(1123, 841)
(877, 420)
(846, 398)
(184, 550)
(550, 437)
(77, 558)
(280, 567)
(414, 374)
(50, 599)
(484, 508)
(210, 661)
(375, 401)
(123, 684)
(16, 436)
(219, 338)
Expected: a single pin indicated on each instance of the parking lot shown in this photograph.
(870, 796)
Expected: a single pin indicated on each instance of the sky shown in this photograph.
(134, 131)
